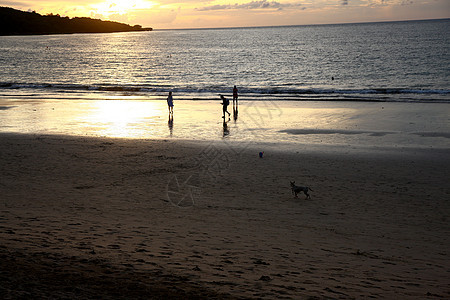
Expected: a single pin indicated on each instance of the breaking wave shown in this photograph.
(248, 93)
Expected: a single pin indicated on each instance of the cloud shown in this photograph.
(43, 3)
(11, 3)
(263, 4)
(407, 2)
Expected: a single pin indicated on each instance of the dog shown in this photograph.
(298, 189)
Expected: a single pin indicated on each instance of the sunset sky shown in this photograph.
(161, 14)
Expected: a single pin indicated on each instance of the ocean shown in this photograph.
(392, 62)
(382, 85)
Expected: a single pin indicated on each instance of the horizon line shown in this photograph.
(318, 24)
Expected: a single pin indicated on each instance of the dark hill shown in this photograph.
(16, 22)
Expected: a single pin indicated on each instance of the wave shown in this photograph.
(251, 93)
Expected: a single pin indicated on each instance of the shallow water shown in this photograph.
(390, 125)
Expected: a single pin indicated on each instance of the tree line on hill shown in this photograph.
(16, 22)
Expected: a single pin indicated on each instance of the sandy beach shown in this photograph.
(104, 194)
(86, 217)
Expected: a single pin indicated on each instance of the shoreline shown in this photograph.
(325, 95)
(302, 124)
(223, 219)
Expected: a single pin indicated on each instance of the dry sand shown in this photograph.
(115, 218)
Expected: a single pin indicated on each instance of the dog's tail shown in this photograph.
(310, 189)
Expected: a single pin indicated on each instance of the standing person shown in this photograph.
(170, 103)
(235, 94)
(225, 103)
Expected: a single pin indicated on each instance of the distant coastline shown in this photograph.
(17, 22)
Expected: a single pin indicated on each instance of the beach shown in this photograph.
(90, 217)
(105, 195)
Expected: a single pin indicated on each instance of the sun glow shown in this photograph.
(119, 118)
(121, 7)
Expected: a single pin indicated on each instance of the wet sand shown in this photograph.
(348, 124)
(116, 218)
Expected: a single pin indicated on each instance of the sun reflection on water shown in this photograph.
(300, 123)
(118, 118)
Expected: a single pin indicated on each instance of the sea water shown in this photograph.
(365, 85)
(393, 61)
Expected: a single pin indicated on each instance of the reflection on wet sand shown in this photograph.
(314, 123)
(170, 124)
(226, 131)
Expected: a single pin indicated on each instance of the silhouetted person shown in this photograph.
(170, 102)
(225, 103)
(235, 94)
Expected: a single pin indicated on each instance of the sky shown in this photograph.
(171, 14)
